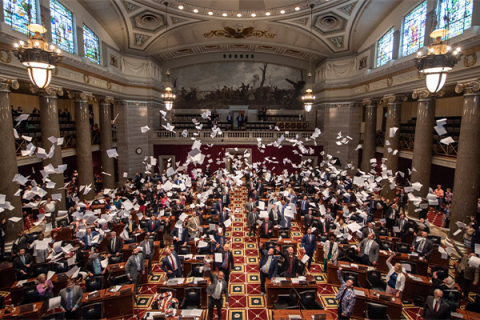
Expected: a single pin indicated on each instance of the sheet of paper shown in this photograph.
(104, 263)
(54, 302)
(218, 257)
(305, 259)
(50, 274)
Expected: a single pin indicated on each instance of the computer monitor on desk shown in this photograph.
(403, 247)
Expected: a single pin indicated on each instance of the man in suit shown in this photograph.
(266, 229)
(368, 250)
(290, 262)
(466, 272)
(193, 224)
(153, 226)
(304, 206)
(131, 226)
(219, 207)
(308, 220)
(251, 186)
(94, 265)
(225, 199)
(135, 267)
(114, 244)
(171, 264)
(295, 177)
(217, 287)
(227, 264)
(148, 249)
(309, 245)
(179, 236)
(435, 307)
(260, 188)
(87, 240)
(268, 267)
(22, 264)
(252, 218)
(255, 197)
(369, 228)
(391, 215)
(274, 215)
(250, 206)
(402, 225)
(322, 227)
(223, 216)
(424, 246)
(71, 299)
(229, 121)
(424, 227)
(346, 297)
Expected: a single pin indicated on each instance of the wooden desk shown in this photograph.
(416, 288)
(273, 290)
(472, 315)
(436, 257)
(187, 264)
(332, 277)
(307, 314)
(114, 272)
(15, 314)
(319, 257)
(422, 265)
(462, 314)
(180, 290)
(16, 293)
(281, 244)
(284, 314)
(394, 305)
(65, 233)
(118, 305)
(7, 277)
(86, 301)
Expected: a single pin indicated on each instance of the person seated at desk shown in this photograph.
(370, 228)
(395, 278)
(446, 284)
(274, 215)
(227, 264)
(290, 262)
(368, 250)
(345, 296)
(44, 287)
(179, 235)
(423, 246)
(87, 240)
(309, 244)
(435, 307)
(22, 264)
(135, 267)
(193, 226)
(171, 264)
(94, 265)
(148, 250)
(266, 229)
(152, 226)
(114, 244)
(422, 225)
(330, 251)
(71, 300)
(268, 267)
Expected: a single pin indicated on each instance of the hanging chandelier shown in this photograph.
(36, 55)
(168, 97)
(308, 99)
(439, 60)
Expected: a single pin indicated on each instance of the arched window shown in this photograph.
(385, 48)
(459, 13)
(16, 13)
(62, 26)
(91, 45)
(414, 29)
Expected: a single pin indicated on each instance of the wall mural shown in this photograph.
(221, 84)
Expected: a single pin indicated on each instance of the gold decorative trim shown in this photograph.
(86, 79)
(367, 87)
(239, 33)
(389, 82)
(467, 62)
(8, 59)
(109, 85)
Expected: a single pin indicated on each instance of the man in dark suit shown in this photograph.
(309, 220)
(435, 307)
(87, 239)
(368, 250)
(402, 226)
(290, 262)
(179, 236)
(322, 227)
(227, 264)
(391, 215)
(295, 178)
(94, 265)
(152, 226)
(268, 267)
(225, 199)
(71, 299)
(260, 188)
(148, 249)
(424, 246)
(252, 218)
(131, 226)
(266, 229)
(22, 264)
(223, 216)
(274, 215)
(219, 207)
(171, 264)
(309, 245)
(251, 186)
(255, 197)
(304, 206)
(369, 228)
(135, 267)
(217, 287)
(114, 244)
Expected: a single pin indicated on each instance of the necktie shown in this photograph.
(310, 238)
(218, 290)
(69, 299)
(180, 234)
(23, 259)
(343, 295)
(89, 239)
(420, 247)
(290, 265)
(225, 262)
(268, 264)
(152, 225)
(303, 205)
(138, 262)
(130, 225)
(436, 306)
(96, 268)
(147, 248)
(113, 244)
(266, 228)
(367, 249)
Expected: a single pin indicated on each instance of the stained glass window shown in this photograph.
(91, 45)
(16, 13)
(62, 26)
(459, 13)
(385, 48)
(414, 29)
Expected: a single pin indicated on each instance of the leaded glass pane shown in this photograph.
(16, 13)
(414, 29)
(385, 48)
(62, 26)
(460, 14)
(91, 45)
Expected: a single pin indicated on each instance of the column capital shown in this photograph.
(425, 94)
(469, 86)
(106, 100)
(370, 102)
(82, 95)
(48, 91)
(394, 98)
(120, 102)
(6, 83)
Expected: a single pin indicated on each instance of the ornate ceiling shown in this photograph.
(279, 27)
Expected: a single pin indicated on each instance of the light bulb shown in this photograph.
(58, 51)
(21, 43)
(224, 14)
(458, 49)
(254, 15)
(267, 13)
(210, 13)
(282, 12)
(180, 7)
(36, 44)
(239, 15)
(449, 48)
(297, 8)
(195, 10)
(16, 45)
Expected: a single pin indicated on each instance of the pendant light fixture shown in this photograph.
(168, 97)
(308, 99)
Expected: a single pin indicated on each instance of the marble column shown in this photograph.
(422, 151)
(467, 171)
(369, 134)
(106, 143)
(49, 127)
(393, 121)
(8, 160)
(84, 145)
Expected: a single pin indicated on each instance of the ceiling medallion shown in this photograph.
(470, 62)
(239, 32)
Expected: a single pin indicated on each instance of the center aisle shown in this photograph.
(246, 303)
